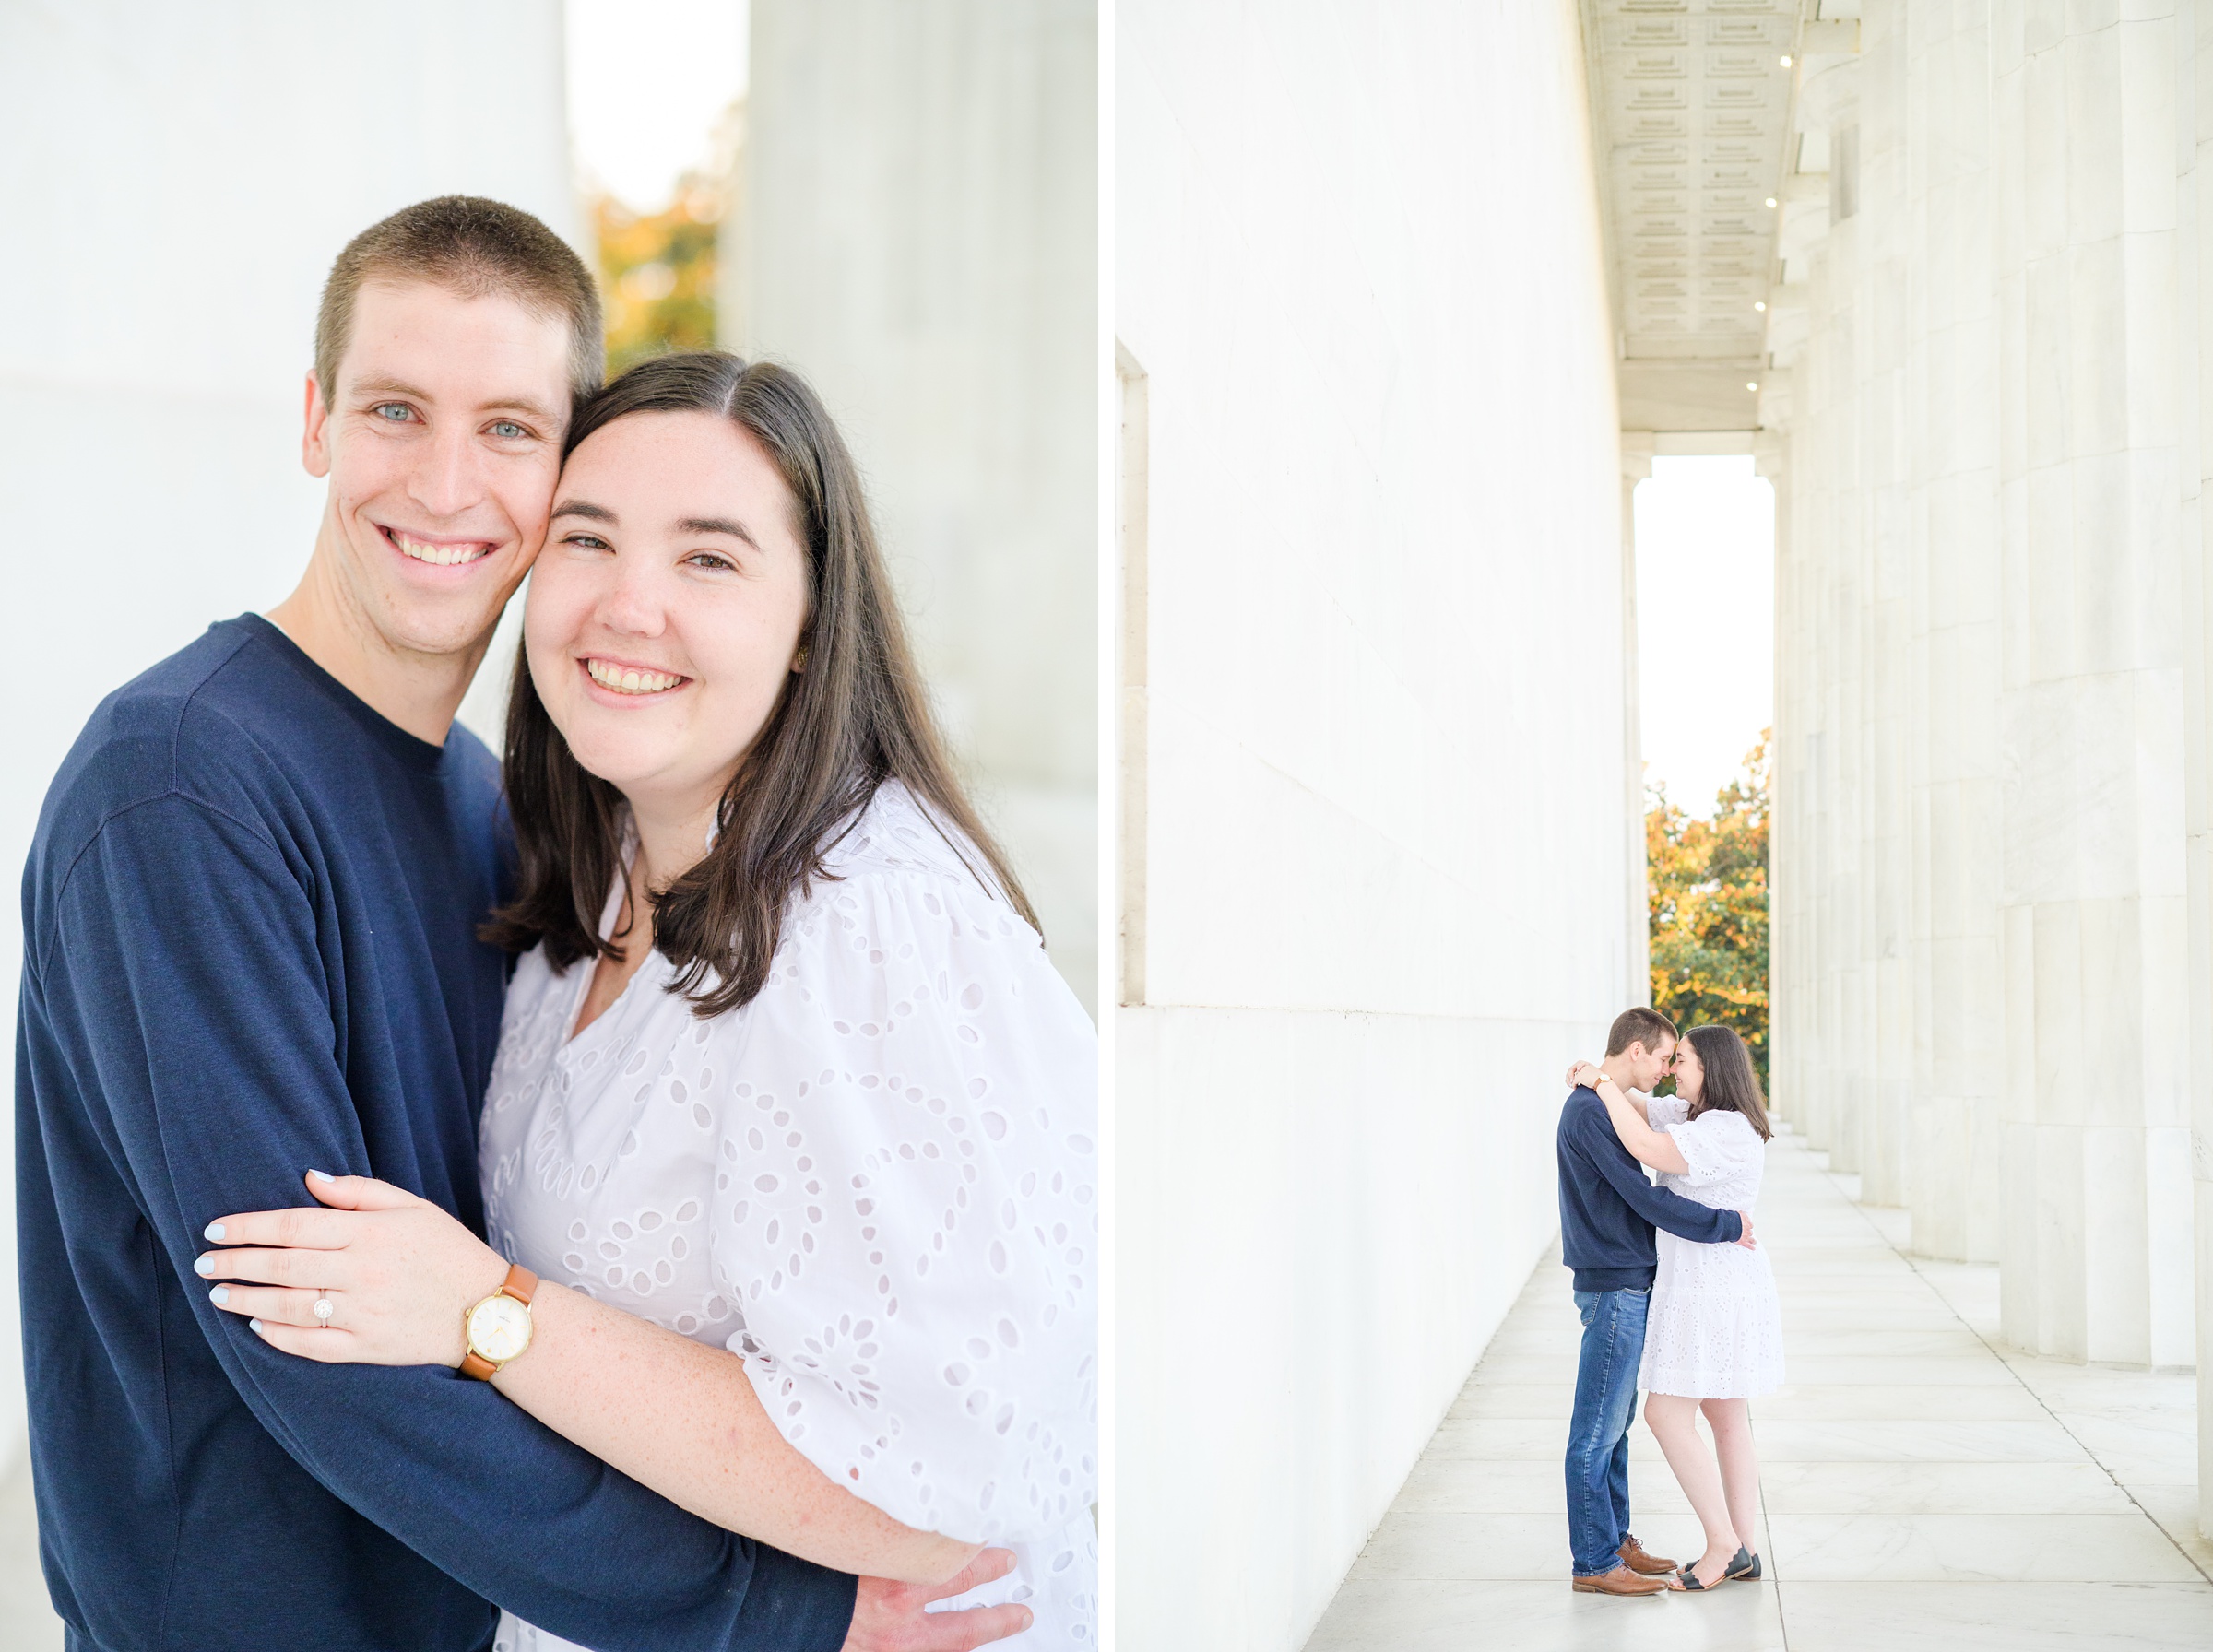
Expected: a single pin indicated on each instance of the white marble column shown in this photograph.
(1954, 1179)
(1886, 868)
(1786, 770)
(2097, 1240)
(1833, 517)
(1635, 466)
(2195, 246)
(919, 238)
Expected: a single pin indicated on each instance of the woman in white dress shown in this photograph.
(1713, 1336)
(791, 1113)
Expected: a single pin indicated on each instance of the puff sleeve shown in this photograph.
(1715, 1147)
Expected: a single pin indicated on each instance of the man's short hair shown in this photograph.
(1641, 1025)
(474, 247)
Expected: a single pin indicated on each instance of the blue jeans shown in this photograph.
(1598, 1440)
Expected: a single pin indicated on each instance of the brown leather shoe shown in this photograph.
(1622, 1581)
(1634, 1557)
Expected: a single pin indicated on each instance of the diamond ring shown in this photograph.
(322, 1312)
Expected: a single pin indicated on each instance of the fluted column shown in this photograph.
(1635, 466)
(1786, 771)
(1833, 517)
(1954, 1178)
(2096, 1246)
(956, 346)
(2195, 246)
(1886, 868)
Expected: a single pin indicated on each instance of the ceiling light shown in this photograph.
(1759, 305)
(1771, 200)
(1751, 384)
(1786, 60)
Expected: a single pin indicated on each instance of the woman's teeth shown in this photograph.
(440, 556)
(629, 679)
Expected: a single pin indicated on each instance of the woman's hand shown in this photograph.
(397, 1271)
(1586, 1073)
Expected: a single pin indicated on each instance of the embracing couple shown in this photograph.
(636, 1195)
(1692, 1320)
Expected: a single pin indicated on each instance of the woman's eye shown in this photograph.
(712, 559)
(586, 541)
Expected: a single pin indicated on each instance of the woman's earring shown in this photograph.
(799, 660)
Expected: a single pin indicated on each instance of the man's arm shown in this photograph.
(184, 1001)
(1685, 1218)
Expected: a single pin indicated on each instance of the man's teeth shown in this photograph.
(441, 555)
(629, 679)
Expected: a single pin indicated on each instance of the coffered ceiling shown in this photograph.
(1691, 103)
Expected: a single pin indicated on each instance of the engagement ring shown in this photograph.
(322, 1311)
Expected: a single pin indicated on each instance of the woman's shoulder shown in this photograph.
(532, 978)
(899, 846)
(1726, 1124)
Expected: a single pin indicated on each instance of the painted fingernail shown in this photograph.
(204, 1267)
(220, 1293)
(254, 1323)
(214, 1233)
(321, 1178)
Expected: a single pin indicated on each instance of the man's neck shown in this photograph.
(419, 693)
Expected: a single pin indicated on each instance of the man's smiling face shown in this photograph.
(441, 442)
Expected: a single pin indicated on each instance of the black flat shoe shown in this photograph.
(1743, 1563)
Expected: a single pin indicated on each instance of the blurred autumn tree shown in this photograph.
(656, 274)
(1707, 884)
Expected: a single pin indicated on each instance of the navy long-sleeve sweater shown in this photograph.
(1609, 1207)
(249, 950)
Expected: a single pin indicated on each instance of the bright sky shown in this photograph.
(648, 79)
(1705, 621)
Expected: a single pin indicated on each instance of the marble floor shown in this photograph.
(1923, 1487)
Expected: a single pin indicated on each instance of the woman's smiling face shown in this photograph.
(666, 611)
(1690, 1075)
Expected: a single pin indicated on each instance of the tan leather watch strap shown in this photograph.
(521, 1284)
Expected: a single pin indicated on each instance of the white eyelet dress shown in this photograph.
(1714, 1329)
(876, 1183)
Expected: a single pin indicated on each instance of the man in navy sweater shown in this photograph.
(1609, 1210)
(249, 950)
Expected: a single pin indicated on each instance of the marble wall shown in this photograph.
(1993, 653)
(1374, 578)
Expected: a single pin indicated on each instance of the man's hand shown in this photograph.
(888, 1617)
(1746, 1238)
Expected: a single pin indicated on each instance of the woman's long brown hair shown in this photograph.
(855, 717)
(1731, 1082)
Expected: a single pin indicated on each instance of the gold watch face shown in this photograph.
(499, 1328)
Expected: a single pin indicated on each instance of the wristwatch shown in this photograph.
(498, 1328)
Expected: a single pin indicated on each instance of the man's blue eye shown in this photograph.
(394, 411)
(505, 429)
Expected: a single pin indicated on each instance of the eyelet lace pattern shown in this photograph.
(877, 1182)
(1714, 1329)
